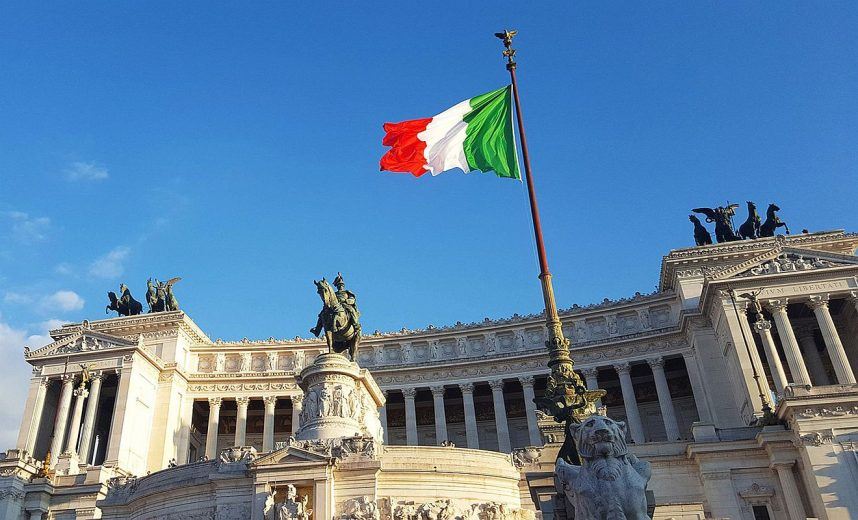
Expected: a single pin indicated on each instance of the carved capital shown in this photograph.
(409, 393)
(81, 393)
(46, 382)
(762, 325)
(818, 302)
(296, 399)
(437, 391)
(242, 401)
(590, 372)
(270, 401)
(656, 363)
(623, 368)
(466, 388)
(96, 376)
(526, 380)
(215, 401)
(496, 385)
(67, 379)
(777, 306)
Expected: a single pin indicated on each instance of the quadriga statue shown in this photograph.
(610, 483)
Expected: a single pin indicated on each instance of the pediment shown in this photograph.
(293, 455)
(83, 341)
(781, 260)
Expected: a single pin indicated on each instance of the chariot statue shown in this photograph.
(159, 295)
(723, 219)
(339, 318)
(125, 304)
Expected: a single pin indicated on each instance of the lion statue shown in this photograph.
(610, 483)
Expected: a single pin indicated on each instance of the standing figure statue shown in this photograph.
(294, 507)
(751, 227)
(125, 305)
(723, 219)
(160, 295)
(701, 235)
(339, 317)
(773, 222)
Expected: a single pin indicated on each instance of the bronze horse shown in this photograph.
(751, 227)
(125, 305)
(341, 334)
(772, 223)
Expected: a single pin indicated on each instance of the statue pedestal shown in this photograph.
(340, 400)
(67, 464)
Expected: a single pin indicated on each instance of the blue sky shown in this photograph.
(237, 146)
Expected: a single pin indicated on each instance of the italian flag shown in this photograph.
(476, 134)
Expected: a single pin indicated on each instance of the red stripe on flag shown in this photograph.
(407, 152)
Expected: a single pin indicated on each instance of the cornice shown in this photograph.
(836, 241)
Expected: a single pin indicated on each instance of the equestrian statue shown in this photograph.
(339, 318)
(125, 305)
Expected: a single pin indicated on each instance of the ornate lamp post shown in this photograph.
(567, 398)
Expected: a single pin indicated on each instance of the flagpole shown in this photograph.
(566, 391)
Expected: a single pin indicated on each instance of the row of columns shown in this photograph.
(471, 434)
(801, 365)
(81, 427)
(633, 418)
(242, 404)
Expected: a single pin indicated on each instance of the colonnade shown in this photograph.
(242, 404)
(799, 347)
(622, 369)
(78, 439)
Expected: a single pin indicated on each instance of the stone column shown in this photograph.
(763, 328)
(807, 342)
(62, 418)
(697, 387)
(410, 416)
(470, 415)
(832, 340)
(440, 414)
(591, 378)
(35, 420)
(241, 420)
(504, 445)
(297, 402)
(89, 416)
(268, 424)
(80, 395)
(791, 495)
(791, 351)
(382, 416)
(630, 402)
(665, 401)
(533, 434)
(214, 422)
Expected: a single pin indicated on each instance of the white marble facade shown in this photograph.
(675, 363)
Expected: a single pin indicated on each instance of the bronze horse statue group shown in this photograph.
(725, 232)
(342, 330)
(159, 297)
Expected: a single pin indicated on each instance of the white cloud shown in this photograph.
(63, 301)
(15, 383)
(86, 171)
(26, 228)
(15, 298)
(110, 265)
(64, 269)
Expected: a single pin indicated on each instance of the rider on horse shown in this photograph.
(347, 299)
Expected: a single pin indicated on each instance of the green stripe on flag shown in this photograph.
(489, 138)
